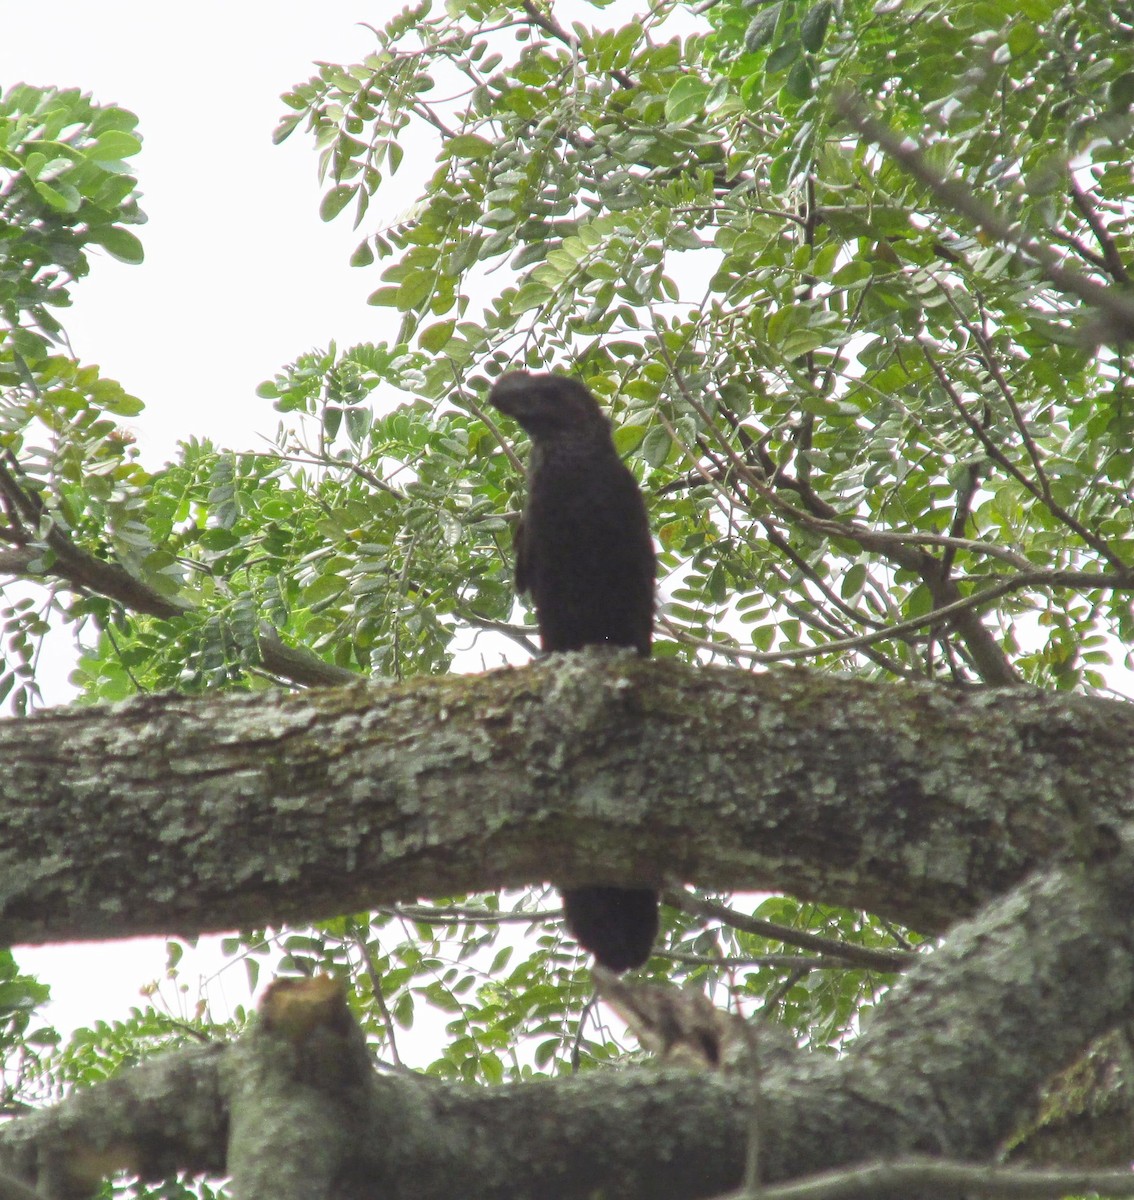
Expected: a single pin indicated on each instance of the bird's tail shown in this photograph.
(617, 925)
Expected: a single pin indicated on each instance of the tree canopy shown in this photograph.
(853, 282)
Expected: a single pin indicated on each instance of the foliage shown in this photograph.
(66, 188)
(851, 402)
(811, 341)
(21, 1042)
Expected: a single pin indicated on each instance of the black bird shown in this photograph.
(583, 551)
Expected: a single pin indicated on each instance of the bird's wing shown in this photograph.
(519, 545)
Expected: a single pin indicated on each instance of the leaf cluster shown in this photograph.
(64, 187)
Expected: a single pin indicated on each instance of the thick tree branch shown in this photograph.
(914, 802)
(166, 1115)
(948, 1065)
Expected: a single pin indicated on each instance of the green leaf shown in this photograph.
(336, 200)
(627, 438)
(656, 446)
(358, 419)
(119, 243)
(332, 419)
(386, 297)
(762, 28)
(782, 57)
(217, 540)
(34, 164)
(121, 404)
(114, 145)
(363, 255)
(468, 145)
(61, 196)
(686, 99)
(1121, 92)
(29, 345)
(416, 289)
(813, 27)
(435, 336)
(798, 83)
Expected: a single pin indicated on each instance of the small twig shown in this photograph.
(993, 665)
(826, 520)
(326, 460)
(1122, 581)
(992, 365)
(520, 634)
(757, 1107)
(793, 962)
(376, 989)
(577, 1043)
(997, 455)
(505, 444)
(934, 1177)
(457, 915)
(552, 27)
(122, 660)
(778, 993)
(1111, 259)
(855, 956)
(965, 494)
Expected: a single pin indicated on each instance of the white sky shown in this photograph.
(240, 276)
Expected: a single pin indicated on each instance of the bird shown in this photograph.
(585, 555)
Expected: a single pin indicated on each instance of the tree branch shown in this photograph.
(927, 1177)
(212, 813)
(1114, 306)
(1038, 490)
(950, 1062)
(79, 568)
(85, 574)
(551, 26)
(993, 588)
(992, 664)
(850, 955)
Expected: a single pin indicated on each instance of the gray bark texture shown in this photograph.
(168, 814)
(946, 1068)
(920, 803)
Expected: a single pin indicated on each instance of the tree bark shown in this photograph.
(169, 814)
(948, 1065)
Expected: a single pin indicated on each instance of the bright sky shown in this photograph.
(240, 276)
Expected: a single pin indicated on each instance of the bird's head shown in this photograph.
(549, 407)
